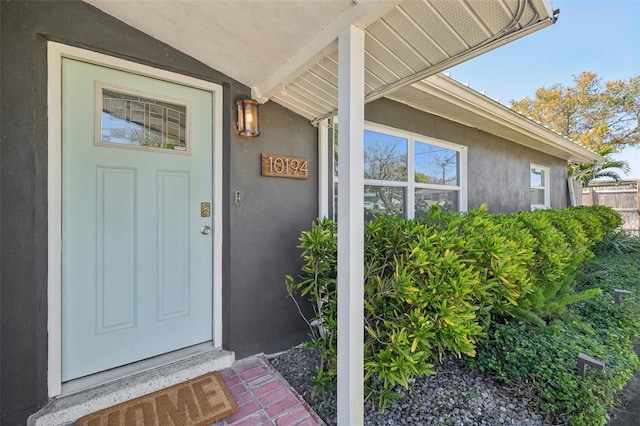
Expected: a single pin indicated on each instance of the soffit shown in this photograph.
(445, 97)
(286, 51)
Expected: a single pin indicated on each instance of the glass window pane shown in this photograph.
(383, 200)
(385, 157)
(537, 197)
(436, 164)
(128, 119)
(425, 198)
(537, 177)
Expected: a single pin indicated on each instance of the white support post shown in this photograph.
(323, 168)
(351, 227)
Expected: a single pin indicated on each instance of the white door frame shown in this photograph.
(55, 53)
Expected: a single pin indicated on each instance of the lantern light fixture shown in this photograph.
(247, 118)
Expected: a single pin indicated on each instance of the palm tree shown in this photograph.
(586, 172)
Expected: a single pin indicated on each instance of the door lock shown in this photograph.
(205, 209)
(205, 230)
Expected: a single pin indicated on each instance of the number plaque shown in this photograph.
(285, 166)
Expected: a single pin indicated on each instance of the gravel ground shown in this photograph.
(456, 395)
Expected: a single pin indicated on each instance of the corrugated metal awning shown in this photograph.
(287, 51)
(410, 42)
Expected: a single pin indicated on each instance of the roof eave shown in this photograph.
(533, 134)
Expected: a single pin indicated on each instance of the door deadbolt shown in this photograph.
(205, 209)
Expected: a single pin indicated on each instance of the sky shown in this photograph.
(602, 36)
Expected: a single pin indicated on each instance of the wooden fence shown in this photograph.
(623, 197)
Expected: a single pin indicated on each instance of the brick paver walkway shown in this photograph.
(264, 397)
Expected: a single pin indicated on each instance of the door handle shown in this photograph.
(205, 230)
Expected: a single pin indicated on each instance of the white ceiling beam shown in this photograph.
(326, 92)
(297, 90)
(447, 25)
(302, 107)
(479, 22)
(380, 45)
(361, 15)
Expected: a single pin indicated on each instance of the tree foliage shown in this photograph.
(595, 114)
(585, 173)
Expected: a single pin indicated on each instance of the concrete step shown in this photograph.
(66, 409)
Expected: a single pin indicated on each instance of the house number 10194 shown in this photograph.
(285, 166)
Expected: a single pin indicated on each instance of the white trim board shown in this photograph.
(55, 53)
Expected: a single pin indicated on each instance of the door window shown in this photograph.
(133, 120)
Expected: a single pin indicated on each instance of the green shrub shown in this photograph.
(569, 223)
(620, 242)
(546, 358)
(610, 219)
(432, 285)
(561, 246)
(498, 253)
(420, 301)
(318, 284)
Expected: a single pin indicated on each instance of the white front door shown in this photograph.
(136, 196)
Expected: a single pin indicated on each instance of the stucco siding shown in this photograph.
(259, 234)
(266, 226)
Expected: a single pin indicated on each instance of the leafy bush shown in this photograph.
(609, 220)
(560, 247)
(418, 300)
(433, 284)
(620, 242)
(318, 284)
(545, 358)
(500, 253)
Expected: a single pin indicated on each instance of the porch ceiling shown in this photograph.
(286, 51)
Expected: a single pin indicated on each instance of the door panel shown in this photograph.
(136, 270)
(115, 249)
(173, 271)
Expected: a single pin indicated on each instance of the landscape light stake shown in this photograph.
(617, 294)
(585, 360)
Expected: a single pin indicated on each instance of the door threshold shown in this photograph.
(129, 382)
(105, 377)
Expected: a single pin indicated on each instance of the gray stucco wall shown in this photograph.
(498, 169)
(266, 226)
(260, 234)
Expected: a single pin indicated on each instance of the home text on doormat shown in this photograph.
(197, 402)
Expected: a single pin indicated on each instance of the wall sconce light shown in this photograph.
(248, 118)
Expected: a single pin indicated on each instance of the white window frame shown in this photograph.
(410, 185)
(545, 186)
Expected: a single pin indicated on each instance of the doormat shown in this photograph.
(197, 402)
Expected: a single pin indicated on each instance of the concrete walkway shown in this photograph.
(264, 397)
(629, 415)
